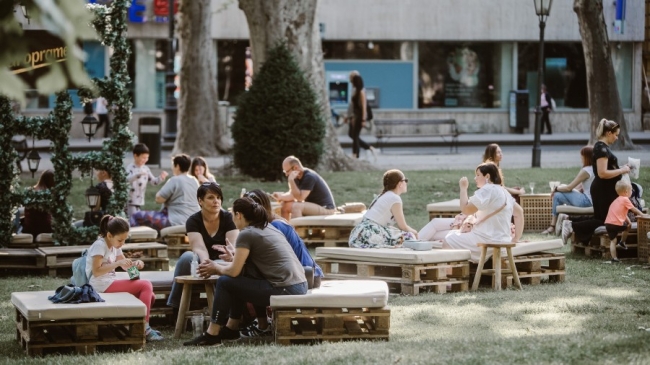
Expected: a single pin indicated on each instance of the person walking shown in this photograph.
(547, 106)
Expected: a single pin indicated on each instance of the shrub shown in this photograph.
(279, 116)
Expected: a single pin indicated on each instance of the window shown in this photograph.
(357, 50)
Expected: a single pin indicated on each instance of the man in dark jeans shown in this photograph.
(547, 106)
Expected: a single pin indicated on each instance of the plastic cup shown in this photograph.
(197, 324)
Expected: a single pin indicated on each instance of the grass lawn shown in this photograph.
(593, 317)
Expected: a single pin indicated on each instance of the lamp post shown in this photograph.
(89, 125)
(542, 9)
(33, 159)
(171, 106)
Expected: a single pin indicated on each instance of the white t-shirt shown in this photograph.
(100, 106)
(380, 211)
(100, 248)
(488, 199)
(586, 185)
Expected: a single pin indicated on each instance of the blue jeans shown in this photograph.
(183, 267)
(232, 294)
(572, 198)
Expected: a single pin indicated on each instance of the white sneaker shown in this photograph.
(558, 225)
(374, 154)
(567, 229)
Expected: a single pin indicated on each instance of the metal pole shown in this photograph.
(171, 106)
(537, 147)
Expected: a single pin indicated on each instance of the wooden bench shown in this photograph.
(406, 271)
(418, 128)
(22, 259)
(176, 239)
(338, 310)
(327, 230)
(42, 326)
(598, 245)
(448, 209)
(643, 238)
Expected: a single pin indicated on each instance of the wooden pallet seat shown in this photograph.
(405, 270)
(328, 230)
(176, 239)
(574, 211)
(142, 234)
(447, 209)
(42, 326)
(21, 238)
(338, 310)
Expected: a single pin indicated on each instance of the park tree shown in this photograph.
(604, 99)
(200, 131)
(294, 22)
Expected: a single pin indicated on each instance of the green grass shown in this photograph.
(593, 317)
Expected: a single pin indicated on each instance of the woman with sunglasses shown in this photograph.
(208, 231)
(263, 265)
(376, 229)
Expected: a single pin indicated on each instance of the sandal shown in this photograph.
(549, 230)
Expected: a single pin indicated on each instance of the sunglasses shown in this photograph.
(209, 183)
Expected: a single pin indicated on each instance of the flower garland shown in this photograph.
(110, 23)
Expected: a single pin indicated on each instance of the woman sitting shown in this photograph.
(263, 265)
(576, 194)
(374, 230)
(493, 154)
(200, 170)
(494, 209)
(37, 221)
(208, 232)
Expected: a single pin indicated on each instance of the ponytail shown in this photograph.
(605, 126)
(253, 212)
(113, 225)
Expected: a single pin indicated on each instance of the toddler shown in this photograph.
(138, 175)
(617, 220)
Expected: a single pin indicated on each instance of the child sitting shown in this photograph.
(138, 175)
(617, 219)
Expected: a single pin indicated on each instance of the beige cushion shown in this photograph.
(44, 237)
(392, 255)
(157, 278)
(524, 248)
(448, 206)
(22, 238)
(338, 294)
(177, 230)
(569, 209)
(334, 220)
(143, 233)
(35, 306)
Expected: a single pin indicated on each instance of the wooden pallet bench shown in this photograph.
(327, 230)
(22, 258)
(162, 287)
(533, 263)
(406, 271)
(176, 239)
(142, 234)
(337, 311)
(598, 246)
(43, 327)
(447, 209)
(643, 239)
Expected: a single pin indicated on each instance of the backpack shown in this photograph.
(635, 198)
(79, 277)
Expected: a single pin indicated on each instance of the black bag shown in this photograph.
(75, 294)
(93, 218)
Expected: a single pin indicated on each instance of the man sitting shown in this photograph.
(308, 193)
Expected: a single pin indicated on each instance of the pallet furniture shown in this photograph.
(26, 240)
(162, 287)
(643, 238)
(406, 271)
(183, 311)
(338, 310)
(533, 260)
(142, 234)
(43, 327)
(327, 230)
(572, 211)
(418, 128)
(22, 259)
(598, 245)
(176, 239)
(448, 209)
(496, 259)
(537, 211)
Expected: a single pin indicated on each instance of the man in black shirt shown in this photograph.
(308, 193)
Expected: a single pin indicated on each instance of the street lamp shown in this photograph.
(33, 159)
(89, 125)
(542, 9)
(171, 106)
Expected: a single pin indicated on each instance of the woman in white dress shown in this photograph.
(494, 208)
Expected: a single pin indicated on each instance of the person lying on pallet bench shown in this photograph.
(208, 231)
(376, 229)
(308, 192)
(105, 255)
(177, 195)
(271, 268)
(494, 209)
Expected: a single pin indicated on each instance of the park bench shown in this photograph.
(417, 128)
(328, 230)
(175, 237)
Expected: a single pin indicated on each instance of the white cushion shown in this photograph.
(22, 238)
(392, 255)
(334, 220)
(35, 306)
(524, 248)
(338, 294)
(143, 233)
(157, 278)
(570, 209)
(44, 237)
(177, 230)
(448, 206)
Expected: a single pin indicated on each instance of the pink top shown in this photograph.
(617, 214)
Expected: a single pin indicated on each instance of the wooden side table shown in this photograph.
(496, 263)
(537, 211)
(183, 311)
(643, 238)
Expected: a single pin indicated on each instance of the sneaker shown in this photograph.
(558, 225)
(205, 339)
(154, 336)
(548, 230)
(374, 153)
(622, 245)
(254, 331)
(226, 334)
(615, 260)
(567, 229)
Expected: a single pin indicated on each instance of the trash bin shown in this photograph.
(150, 133)
(519, 118)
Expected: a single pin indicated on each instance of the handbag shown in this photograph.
(467, 223)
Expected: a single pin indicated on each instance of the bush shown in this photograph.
(279, 116)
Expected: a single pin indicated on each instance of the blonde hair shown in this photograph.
(622, 186)
(605, 126)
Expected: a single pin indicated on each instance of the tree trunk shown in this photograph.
(294, 22)
(200, 130)
(604, 100)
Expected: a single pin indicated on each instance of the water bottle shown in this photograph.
(194, 266)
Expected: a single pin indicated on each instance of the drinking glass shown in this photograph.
(532, 187)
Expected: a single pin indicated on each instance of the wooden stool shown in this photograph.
(183, 311)
(496, 262)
